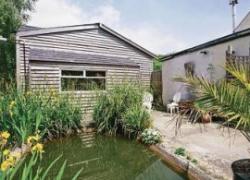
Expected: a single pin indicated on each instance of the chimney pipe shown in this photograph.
(233, 3)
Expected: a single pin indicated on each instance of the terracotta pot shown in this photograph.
(206, 118)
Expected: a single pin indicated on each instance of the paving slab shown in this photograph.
(214, 147)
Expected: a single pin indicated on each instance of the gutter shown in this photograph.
(208, 44)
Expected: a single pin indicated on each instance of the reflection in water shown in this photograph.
(106, 158)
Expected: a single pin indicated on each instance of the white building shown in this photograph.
(205, 59)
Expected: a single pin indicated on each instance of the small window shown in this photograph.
(95, 73)
(189, 69)
(76, 81)
(72, 73)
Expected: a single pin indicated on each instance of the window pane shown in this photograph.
(96, 84)
(75, 84)
(95, 73)
(72, 73)
(189, 69)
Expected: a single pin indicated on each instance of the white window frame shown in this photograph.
(82, 77)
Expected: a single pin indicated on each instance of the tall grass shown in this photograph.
(113, 112)
(32, 170)
(24, 114)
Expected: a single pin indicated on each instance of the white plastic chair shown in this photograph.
(174, 106)
(147, 101)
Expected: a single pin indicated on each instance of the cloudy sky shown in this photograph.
(162, 26)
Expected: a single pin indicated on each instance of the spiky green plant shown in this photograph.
(227, 98)
(111, 107)
(50, 113)
(135, 120)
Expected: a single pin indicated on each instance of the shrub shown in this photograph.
(113, 105)
(135, 120)
(180, 152)
(24, 114)
(150, 136)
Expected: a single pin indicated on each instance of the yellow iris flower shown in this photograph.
(8, 163)
(5, 135)
(12, 104)
(11, 160)
(32, 139)
(5, 165)
(38, 148)
(6, 152)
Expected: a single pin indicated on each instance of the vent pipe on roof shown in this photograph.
(233, 3)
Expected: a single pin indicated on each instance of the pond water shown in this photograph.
(106, 158)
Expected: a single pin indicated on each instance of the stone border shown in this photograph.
(179, 164)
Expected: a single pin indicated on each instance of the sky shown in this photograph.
(161, 26)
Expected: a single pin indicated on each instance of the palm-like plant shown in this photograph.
(227, 98)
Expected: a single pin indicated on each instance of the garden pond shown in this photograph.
(111, 158)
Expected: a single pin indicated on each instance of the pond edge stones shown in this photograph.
(181, 165)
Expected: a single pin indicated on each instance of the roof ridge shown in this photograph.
(209, 43)
(87, 26)
(245, 17)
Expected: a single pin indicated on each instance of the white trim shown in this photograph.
(81, 77)
(57, 30)
(18, 79)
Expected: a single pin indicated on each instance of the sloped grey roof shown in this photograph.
(40, 31)
(28, 28)
(244, 24)
(72, 57)
(223, 39)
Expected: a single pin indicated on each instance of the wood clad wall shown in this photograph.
(96, 41)
(44, 75)
(47, 76)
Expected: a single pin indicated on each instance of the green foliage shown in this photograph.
(150, 136)
(24, 114)
(225, 98)
(13, 13)
(135, 120)
(157, 63)
(180, 152)
(194, 161)
(115, 105)
(32, 170)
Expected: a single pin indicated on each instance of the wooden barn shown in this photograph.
(72, 59)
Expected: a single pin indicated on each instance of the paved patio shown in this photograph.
(214, 148)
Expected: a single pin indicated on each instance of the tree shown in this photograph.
(13, 13)
(157, 62)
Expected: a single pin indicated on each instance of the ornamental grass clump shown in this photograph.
(135, 120)
(119, 110)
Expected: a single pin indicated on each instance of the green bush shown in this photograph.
(135, 120)
(112, 111)
(150, 136)
(180, 152)
(24, 114)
